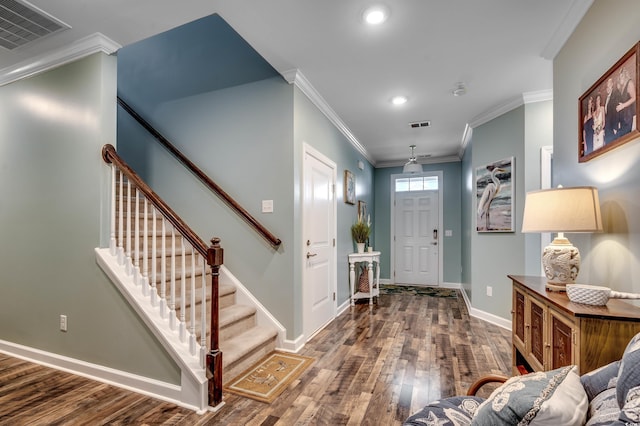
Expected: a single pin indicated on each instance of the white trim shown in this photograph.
(122, 379)
(485, 316)
(300, 81)
(430, 160)
(392, 225)
(194, 390)
(308, 149)
(79, 49)
(244, 297)
(546, 175)
(576, 12)
(511, 104)
(295, 345)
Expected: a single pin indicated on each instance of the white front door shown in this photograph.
(416, 237)
(319, 230)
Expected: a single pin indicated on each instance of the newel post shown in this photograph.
(214, 357)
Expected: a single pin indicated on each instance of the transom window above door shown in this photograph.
(421, 183)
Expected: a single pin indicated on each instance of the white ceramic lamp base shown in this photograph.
(561, 263)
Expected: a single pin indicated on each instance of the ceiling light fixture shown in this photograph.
(412, 165)
(399, 100)
(375, 15)
(459, 89)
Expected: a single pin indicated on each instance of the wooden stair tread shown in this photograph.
(245, 343)
(235, 313)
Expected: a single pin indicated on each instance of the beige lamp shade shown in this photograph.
(575, 209)
(561, 210)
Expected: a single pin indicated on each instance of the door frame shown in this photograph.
(392, 225)
(333, 258)
(546, 180)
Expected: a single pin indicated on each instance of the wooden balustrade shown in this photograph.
(131, 200)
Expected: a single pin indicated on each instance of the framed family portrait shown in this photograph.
(349, 188)
(608, 110)
(494, 195)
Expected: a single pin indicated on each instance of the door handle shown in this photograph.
(311, 254)
(435, 243)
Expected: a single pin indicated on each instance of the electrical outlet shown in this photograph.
(63, 323)
(489, 291)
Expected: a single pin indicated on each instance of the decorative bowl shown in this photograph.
(595, 295)
(588, 294)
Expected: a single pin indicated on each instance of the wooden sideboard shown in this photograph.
(549, 331)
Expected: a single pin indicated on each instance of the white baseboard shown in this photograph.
(132, 382)
(485, 316)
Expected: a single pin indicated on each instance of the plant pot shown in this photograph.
(360, 247)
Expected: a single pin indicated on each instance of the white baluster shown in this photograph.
(203, 315)
(112, 230)
(136, 245)
(163, 271)
(121, 254)
(192, 317)
(144, 281)
(183, 293)
(172, 288)
(128, 256)
(154, 258)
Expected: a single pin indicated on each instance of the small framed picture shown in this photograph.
(349, 187)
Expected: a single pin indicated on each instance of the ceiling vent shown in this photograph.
(22, 23)
(419, 124)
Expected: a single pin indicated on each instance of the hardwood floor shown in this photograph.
(374, 366)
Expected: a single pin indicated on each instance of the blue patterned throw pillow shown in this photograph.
(454, 411)
(600, 379)
(629, 374)
(544, 398)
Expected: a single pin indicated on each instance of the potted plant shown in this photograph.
(360, 233)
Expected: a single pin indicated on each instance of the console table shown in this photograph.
(372, 259)
(549, 331)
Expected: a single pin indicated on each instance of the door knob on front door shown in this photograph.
(311, 254)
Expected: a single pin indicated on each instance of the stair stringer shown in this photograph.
(193, 392)
(263, 316)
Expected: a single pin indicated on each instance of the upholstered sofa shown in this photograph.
(609, 395)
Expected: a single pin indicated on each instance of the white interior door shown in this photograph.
(319, 213)
(416, 237)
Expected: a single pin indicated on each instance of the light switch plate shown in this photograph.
(267, 206)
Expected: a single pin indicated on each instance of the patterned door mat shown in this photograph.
(418, 290)
(269, 377)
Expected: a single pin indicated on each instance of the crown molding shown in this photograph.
(79, 49)
(299, 80)
(511, 104)
(567, 26)
(430, 160)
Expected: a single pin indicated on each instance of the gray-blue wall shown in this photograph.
(53, 214)
(607, 32)
(451, 249)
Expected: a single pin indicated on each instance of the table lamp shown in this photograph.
(561, 210)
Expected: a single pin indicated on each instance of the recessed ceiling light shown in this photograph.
(399, 100)
(375, 15)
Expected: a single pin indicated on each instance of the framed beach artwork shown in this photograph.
(608, 110)
(349, 187)
(494, 194)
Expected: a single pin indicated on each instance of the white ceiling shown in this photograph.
(501, 50)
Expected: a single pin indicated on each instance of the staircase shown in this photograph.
(168, 282)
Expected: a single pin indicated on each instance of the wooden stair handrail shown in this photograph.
(110, 155)
(272, 239)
